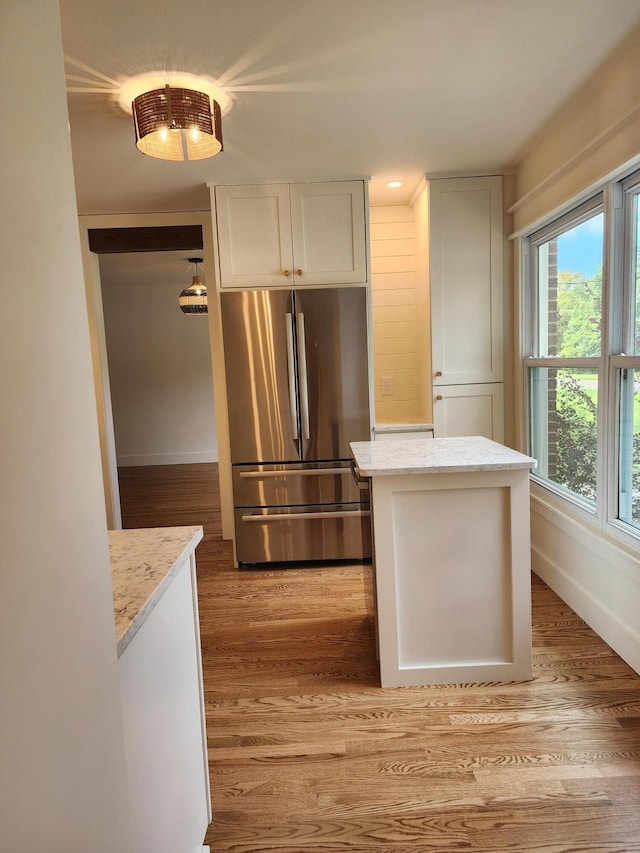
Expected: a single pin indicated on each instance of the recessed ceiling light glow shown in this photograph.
(394, 184)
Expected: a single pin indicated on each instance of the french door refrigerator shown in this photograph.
(297, 371)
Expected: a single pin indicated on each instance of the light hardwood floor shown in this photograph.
(307, 753)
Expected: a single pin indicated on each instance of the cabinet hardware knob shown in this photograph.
(298, 272)
(439, 397)
(286, 272)
(438, 373)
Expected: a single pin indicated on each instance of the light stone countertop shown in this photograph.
(143, 564)
(436, 456)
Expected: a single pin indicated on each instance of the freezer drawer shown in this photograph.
(303, 534)
(278, 484)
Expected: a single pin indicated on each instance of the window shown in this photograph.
(626, 368)
(582, 364)
(566, 365)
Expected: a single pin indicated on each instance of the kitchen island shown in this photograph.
(451, 559)
(161, 687)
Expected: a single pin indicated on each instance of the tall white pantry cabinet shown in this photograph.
(465, 271)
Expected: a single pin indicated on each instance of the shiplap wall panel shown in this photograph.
(395, 315)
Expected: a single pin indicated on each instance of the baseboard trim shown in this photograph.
(168, 458)
(622, 639)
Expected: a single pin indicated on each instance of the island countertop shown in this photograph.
(436, 456)
(143, 564)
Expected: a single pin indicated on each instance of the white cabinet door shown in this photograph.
(160, 675)
(466, 259)
(328, 230)
(280, 235)
(254, 235)
(469, 410)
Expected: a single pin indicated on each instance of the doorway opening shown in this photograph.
(158, 368)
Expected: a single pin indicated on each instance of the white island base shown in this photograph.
(161, 684)
(452, 560)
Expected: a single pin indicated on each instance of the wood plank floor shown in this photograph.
(307, 753)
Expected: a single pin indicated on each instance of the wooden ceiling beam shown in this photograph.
(157, 239)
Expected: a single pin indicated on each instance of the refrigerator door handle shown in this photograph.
(293, 405)
(299, 472)
(302, 372)
(303, 516)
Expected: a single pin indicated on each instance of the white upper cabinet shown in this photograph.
(466, 257)
(328, 230)
(279, 235)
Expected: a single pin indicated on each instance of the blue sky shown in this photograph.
(580, 249)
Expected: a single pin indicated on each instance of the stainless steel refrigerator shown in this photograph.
(297, 376)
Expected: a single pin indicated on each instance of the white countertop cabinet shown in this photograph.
(452, 561)
(161, 686)
(292, 235)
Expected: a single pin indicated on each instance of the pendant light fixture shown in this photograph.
(172, 121)
(193, 299)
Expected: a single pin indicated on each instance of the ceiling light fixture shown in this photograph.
(173, 120)
(394, 184)
(193, 299)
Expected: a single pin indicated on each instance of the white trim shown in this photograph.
(582, 528)
(473, 173)
(576, 158)
(622, 639)
(202, 218)
(102, 387)
(306, 180)
(559, 562)
(575, 201)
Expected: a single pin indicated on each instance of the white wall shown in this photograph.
(159, 361)
(63, 784)
(594, 136)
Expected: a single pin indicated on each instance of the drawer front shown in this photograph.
(295, 485)
(303, 534)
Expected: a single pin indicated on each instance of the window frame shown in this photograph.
(587, 209)
(619, 201)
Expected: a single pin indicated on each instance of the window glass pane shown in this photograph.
(629, 444)
(570, 291)
(564, 427)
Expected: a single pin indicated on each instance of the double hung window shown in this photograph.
(582, 348)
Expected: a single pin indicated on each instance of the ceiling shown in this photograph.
(328, 88)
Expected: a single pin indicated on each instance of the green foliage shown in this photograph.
(635, 494)
(579, 305)
(574, 422)
(579, 314)
(576, 433)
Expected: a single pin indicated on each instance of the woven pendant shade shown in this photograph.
(193, 299)
(171, 121)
